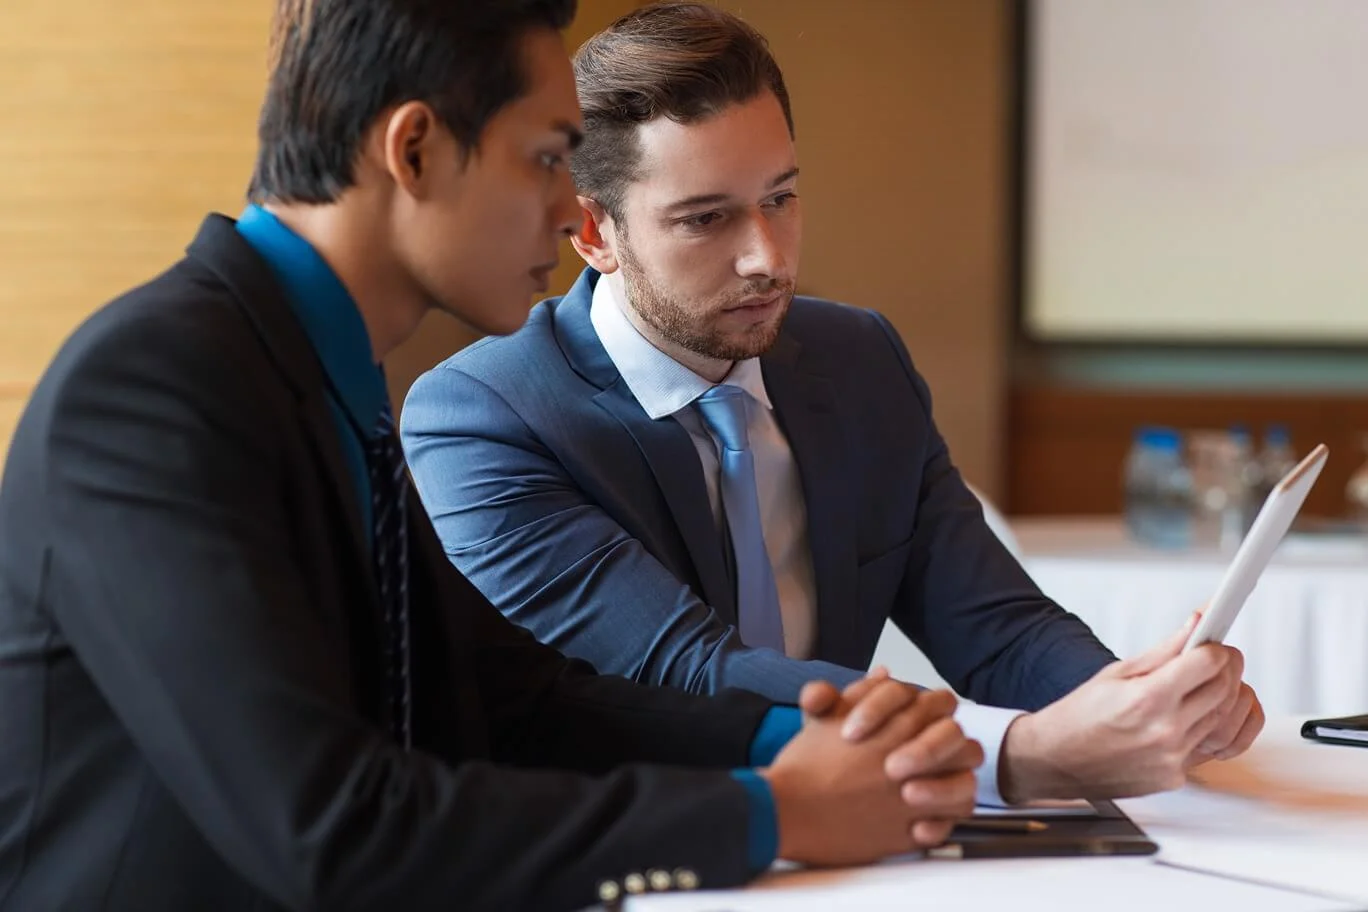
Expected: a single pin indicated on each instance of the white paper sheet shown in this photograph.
(1039, 809)
(1025, 885)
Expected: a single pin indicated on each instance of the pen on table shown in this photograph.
(1001, 825)
(1047, 847)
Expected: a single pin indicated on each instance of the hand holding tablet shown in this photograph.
(1272, 523)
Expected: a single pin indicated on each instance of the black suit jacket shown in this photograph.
(191, 678)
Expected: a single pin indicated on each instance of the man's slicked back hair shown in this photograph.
(684, 61)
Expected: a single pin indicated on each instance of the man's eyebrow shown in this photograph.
(712, 199)
(702, 199)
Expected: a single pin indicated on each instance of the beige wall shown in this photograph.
(902, 128)
(901, 117)
(121, 124)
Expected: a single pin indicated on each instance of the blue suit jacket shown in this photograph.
(588, 523)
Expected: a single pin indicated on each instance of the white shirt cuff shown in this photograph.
(988, 726)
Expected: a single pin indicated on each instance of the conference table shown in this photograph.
(1283, 828)
(1303, 631)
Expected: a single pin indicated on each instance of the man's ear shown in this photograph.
(408, 144)
(594, 239)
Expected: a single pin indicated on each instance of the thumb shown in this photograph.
(818, 699)
(821, 698)
(855, 691)
(1147, 662)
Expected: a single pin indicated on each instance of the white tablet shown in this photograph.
(1258, 546)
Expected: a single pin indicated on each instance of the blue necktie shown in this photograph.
(389, 514)
(757, 600)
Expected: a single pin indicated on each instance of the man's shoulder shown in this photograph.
(183, 311)
(181, 330)
(530, 354)
(836, 326)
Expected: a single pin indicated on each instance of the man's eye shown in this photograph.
(702, 220)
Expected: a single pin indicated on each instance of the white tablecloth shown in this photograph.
(1284, 827)
(1303, 631)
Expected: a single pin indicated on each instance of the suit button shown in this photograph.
(660, 880)
(634, 883)
(685, 879)
(609, 891)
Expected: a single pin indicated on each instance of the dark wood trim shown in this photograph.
(1066, 446)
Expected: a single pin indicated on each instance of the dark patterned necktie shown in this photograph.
(389, 495)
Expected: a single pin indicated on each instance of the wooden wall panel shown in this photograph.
(11, 404)
(121, 124)
(901, 110)
(1066, 447)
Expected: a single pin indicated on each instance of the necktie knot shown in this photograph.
(724, 412)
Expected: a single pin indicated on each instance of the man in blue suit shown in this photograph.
(685, 474)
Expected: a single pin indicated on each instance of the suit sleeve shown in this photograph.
(515, 523)
(545, 709)
(967, 602)
(174, 578)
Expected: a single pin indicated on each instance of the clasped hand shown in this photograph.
(878, 769)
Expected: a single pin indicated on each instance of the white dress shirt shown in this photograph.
(667, 389)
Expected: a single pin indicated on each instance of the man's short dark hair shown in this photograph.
(684, 61)
(337, 65)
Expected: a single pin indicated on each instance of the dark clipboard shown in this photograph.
(1109, 824)
(1351, 731)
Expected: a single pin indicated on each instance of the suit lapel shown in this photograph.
(805, 405)
(664, 444)
(670, 453)
(220, 248)
(322, 434)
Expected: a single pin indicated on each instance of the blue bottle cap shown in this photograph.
(1159, 438)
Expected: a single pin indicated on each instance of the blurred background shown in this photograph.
(1123, 240)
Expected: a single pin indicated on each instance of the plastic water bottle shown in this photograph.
(1158, 489)
(1275, 460)
(1246, 478)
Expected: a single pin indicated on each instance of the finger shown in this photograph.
(1161, 654)
(930, 706)
(819, 698)
(855, 690)
(884, 700)
(1197, 714)
(940, 748)
(1225, 720)
(1185, 674)
(943, 797)
(1235, 661)
(1253, 724)
(1230, 718)
(928, 833)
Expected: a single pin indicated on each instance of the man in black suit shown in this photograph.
(236, 670)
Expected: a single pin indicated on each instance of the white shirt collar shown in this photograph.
(661, 384)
